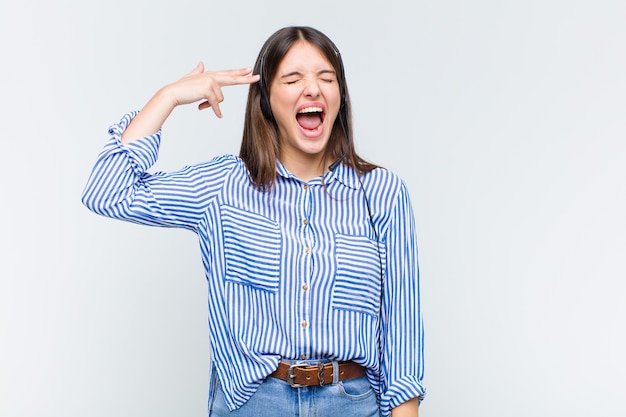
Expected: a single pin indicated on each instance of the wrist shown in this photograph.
(166, 98)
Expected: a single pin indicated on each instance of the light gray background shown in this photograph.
(505, 118)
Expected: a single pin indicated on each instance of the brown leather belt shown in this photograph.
(309, 375)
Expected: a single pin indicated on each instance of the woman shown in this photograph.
(302, 241)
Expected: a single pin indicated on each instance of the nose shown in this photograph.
(311, 87)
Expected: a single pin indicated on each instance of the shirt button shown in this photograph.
(305, 222)
(303, 356)
(307, 250)
(305, 186)
(305, 287)
(304, 324)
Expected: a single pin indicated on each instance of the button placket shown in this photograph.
(306, 271)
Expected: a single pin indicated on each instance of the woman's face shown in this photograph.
(305, 100)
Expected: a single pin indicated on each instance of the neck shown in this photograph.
(305, 168)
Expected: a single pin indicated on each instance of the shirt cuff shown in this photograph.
(401, 391)
(142, 153)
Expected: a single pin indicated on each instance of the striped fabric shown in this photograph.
(294, 272)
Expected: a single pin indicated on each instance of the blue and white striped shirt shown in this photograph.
(293, 273)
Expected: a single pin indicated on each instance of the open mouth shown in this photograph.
(310, 118)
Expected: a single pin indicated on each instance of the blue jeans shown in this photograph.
(275, 398)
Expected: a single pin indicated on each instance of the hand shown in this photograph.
(195, 86)
(207, 85)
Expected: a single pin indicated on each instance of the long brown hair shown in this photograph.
(260, 148)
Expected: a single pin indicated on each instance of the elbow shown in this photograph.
(84, 198)
(95, 202)
(89, 201)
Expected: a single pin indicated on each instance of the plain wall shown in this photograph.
(506, 119)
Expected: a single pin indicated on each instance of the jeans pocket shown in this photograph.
(252, 249)
(356, 389)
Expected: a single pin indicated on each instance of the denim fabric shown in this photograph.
(275, 398)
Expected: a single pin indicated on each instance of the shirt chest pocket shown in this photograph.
(358, 278)
(252, 248)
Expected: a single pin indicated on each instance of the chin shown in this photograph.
(314, 148)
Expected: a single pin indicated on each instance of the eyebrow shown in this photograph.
(321, 72)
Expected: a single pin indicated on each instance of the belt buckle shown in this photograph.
(291, 376)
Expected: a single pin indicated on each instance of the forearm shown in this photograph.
(407, 409)
(151, 118)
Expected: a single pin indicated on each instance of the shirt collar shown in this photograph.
(343, 173)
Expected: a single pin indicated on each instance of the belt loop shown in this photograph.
(335, 372)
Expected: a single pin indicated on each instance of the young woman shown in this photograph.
(309, 251)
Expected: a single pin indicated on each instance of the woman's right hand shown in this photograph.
(207, 86)
(198, 85)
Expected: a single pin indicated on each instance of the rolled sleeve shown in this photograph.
(142, 153)
(402, 391)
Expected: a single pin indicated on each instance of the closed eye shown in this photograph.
(326, 76)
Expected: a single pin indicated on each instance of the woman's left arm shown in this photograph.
(402, 330)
